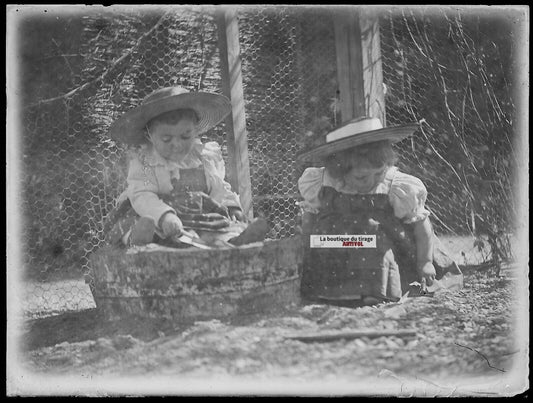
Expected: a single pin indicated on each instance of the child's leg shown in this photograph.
(142, 232)
(132, 230)
(254, 232)
(121, 228)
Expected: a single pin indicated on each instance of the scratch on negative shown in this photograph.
(488, 363)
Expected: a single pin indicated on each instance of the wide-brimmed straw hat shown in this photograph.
(211, 110)
(355, 133)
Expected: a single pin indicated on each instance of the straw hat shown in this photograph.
(210, 108)
(355, 133)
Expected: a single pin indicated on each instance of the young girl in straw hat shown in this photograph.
(359, 191)
(176, 182)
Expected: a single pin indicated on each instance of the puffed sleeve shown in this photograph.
(309, 186)
(143, 189)
(215, 172)
(408, 198)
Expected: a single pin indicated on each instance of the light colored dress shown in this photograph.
(157, 186)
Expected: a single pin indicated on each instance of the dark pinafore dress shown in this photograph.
(188, 197)
(383, 272)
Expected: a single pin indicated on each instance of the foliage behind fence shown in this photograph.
(450, 71)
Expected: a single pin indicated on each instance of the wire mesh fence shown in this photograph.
(73, 172)
(289, 83)
(447, 71)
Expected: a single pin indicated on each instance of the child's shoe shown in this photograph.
(254, 232)
(142, 232)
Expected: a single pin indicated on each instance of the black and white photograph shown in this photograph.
(267, 200)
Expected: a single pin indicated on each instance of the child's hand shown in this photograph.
(236, 214)
(210, 205)
(427, 273)
(171, 225)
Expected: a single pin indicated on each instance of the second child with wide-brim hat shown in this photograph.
(356, 196)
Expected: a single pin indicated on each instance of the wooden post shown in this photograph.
(349, 63)
(237, 140)
(372, 69)
(359, 71)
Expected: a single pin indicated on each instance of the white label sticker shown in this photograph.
(342, 241)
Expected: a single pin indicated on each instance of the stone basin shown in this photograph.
(192, 284)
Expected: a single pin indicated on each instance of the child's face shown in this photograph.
(174, 141)
(363, 179)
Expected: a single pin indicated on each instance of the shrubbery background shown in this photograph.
(78, 72)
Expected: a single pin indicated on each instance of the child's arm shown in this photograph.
(143, 192)
(309, 185)
(408, 197)
(423, 233)
(226, 201)
(219, 190)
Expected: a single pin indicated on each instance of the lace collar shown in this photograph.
(192, 160)
(381, 187)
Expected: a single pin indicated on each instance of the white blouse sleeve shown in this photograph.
(408, 198)
(143, 190)
(215, 172)
(309, 186)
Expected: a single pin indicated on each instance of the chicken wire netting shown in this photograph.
(451, 72)
(73, 173)
(290, 82)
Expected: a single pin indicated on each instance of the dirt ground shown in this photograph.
(460, 338)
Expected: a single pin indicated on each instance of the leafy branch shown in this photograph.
(108, 71)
